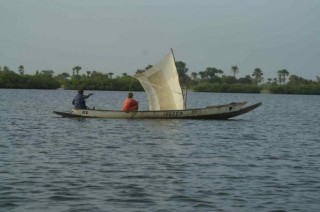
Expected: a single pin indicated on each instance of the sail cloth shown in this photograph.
(161, 84)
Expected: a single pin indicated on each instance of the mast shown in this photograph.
(186, 89)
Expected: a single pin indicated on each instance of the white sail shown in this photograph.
(161, 83)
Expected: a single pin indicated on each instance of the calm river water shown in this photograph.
(266, 160)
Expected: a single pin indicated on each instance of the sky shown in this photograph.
(121, 36)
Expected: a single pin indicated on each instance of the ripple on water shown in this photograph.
(267, 160)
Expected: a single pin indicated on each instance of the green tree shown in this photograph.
(285, 73)
(245, 80)
(182, 71)
(47, 72)
(203, 75)
(139, 71)
(6, 68)
(234, 70)
(10, 79)
(21, 69)
(228, 79)
(257, 74)
(282, 76)
(275, 81)
(148, 67)
(76, 69)
(63, 75)
(212, 72)
(296, 80)
(194, 75)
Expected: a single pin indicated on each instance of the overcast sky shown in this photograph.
(125, 35)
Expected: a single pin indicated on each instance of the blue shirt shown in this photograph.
(79, 101)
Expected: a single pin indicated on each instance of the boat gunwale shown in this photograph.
(188, 109)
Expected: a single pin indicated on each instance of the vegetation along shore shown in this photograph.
(209, 80)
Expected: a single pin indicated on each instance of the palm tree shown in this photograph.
(257, 74)
(21, 69)
(88, 73)
(234, 70)
(269, 80)
(282, 76)
(110, 75)
(76, 69)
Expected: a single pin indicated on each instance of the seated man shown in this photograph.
(79, 101)
(130, 104)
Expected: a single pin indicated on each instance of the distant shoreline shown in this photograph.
(263, 91)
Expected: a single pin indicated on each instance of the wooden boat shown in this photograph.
(212, 112)
(166, 99)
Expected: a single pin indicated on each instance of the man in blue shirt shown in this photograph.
(79, 101)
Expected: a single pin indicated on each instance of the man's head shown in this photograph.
(80, 90)
(130, 95)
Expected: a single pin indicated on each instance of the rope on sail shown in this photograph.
(130, 85)
(157, 85)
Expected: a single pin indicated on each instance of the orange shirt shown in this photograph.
(130, 105)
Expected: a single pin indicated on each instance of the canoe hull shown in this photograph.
(212, 112)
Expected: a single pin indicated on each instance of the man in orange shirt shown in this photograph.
(130, 104)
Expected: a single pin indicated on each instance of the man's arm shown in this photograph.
(87, 96)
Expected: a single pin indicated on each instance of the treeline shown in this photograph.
(10, 79)
(214, 80)
(313, 89)
(209, 80)
(45, 79)
(227, 88)
(100, 81)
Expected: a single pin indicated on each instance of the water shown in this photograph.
(266, 160)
